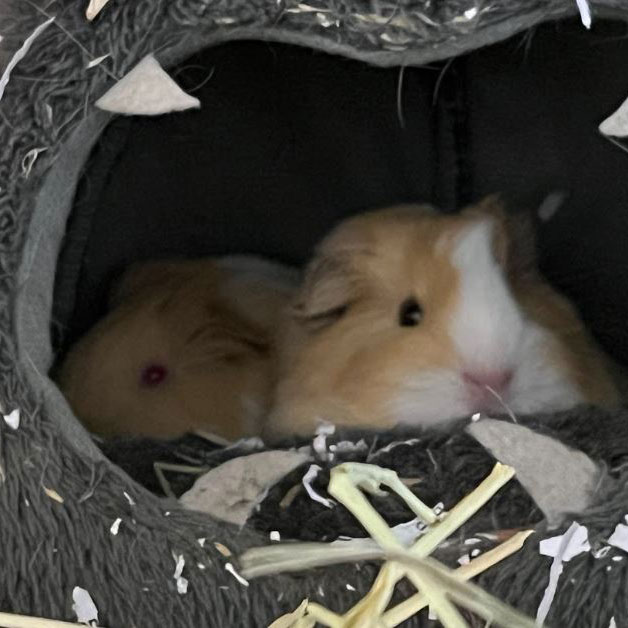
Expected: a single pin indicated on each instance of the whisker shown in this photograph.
(497, 396)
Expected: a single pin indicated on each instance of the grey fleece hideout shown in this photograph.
(309, 111)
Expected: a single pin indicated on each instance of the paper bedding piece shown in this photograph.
(231, 491)
(146, 90)
(559, 479)
(616, 125)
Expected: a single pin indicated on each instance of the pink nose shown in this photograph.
(495, 380)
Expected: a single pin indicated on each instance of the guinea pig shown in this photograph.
(408, 316)
(187, 345)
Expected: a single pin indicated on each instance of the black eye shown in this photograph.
(410, 313)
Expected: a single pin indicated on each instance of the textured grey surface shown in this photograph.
(50, 547)
(560, 480)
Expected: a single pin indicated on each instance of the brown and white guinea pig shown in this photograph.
(187, 345)
(407, 316)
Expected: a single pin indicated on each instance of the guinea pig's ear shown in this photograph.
(146, 275)
(522, 256)
(225, 336)
(329, 286)
(492, 208)
(514, 235)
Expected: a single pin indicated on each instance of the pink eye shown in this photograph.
(153, 375)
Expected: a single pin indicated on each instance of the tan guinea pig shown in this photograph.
(187, 345)
(407, 316)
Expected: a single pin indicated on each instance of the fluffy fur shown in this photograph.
(485, 315)
(207, 327)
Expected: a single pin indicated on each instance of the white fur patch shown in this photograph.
(490, 333)
(487, 326)
(256, 269)
(428, 398)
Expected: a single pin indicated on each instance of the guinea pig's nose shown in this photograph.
(495, 380)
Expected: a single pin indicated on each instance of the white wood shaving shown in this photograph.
(180, 564)
(275, 536)
(129, 498)
(302, 8)
(231, 569)
(115, 526)
(94, 8)
(12, 419)
(395, 443)
(53, 494)
(585, 12)
(612, 623)
(307, 480)
(475, 552)
(350, 587)
(182, 583)
(201, 566)
(602, 552)
(476, 417)
(472, 541)
(617, 559)
(348, 447)
(21, 53)
(97, 61)
(563, 548)
(146, 90)
(84, 607)
(29, 160)
(619, 538)
(464, 559)
(201, 541)
(319, 444)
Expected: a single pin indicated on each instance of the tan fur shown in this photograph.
(573, 348)
(211, 330)
(343, 367)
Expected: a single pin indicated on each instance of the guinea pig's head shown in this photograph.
(414, 317)
(186, 346)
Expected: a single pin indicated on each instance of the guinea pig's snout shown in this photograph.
(482, 386)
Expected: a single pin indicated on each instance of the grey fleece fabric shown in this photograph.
(49, 546)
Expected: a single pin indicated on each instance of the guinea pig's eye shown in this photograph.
(153, 375)
(320, 320)
(410, 313)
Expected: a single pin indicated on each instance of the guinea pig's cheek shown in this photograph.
(541, 381)
(428, 397)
